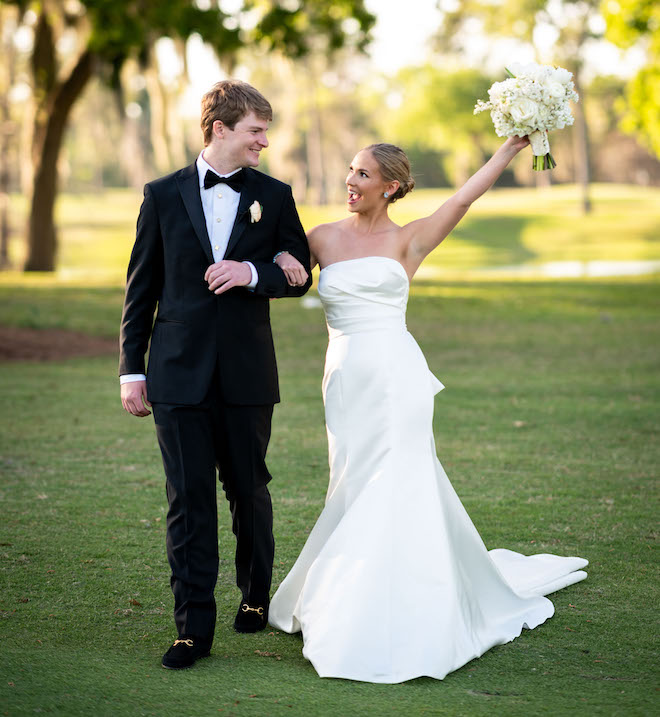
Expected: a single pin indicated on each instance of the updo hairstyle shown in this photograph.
(393, 165)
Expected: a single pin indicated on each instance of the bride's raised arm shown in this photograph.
(426, 234)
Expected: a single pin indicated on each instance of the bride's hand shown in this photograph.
(516, 143)
(293, 270)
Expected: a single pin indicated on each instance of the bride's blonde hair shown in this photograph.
(393, 164)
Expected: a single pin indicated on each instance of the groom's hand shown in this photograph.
(226, 274)
(134, 398)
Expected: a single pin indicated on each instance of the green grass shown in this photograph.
(513, 226)
(548, 429)
(505, 227)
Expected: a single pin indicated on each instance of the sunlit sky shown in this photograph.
(401, 32)
(400, 38)
(404, 27)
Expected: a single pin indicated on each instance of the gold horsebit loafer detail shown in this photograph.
(246, 608)
(189, 643)
(185, 651)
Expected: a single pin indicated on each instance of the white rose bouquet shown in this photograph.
(532, 101)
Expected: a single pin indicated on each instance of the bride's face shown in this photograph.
(364, 183)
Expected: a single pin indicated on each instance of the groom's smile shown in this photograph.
(244, 143)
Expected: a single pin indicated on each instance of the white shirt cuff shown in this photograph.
(130, 377)
(255, 275)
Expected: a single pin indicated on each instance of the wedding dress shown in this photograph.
(394, 581)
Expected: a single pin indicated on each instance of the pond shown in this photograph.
(576, 269)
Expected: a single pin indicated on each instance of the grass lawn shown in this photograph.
(548, 429)
(505, 227)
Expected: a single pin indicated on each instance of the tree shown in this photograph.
(436, 112)
(629, 22)
(573, 23)
(8, 128)
(101, 35)
(321, 120)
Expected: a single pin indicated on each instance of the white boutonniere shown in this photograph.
(255, 212)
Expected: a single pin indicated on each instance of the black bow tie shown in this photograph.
(235, 181)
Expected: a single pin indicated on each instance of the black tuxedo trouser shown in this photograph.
(194, 442)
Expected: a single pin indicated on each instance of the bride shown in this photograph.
(394, 581)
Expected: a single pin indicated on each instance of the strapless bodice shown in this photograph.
(365, 294)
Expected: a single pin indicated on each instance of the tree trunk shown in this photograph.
(461, 167)
(131, 155)
(4, 213)
(158, 115)
(7, 131)
(543, 179)
(314, 145)
(49, 132)
(581, 149)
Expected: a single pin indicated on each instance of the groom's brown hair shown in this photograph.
(229, 101)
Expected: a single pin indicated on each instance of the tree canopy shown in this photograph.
(436, 111)
(629, 22)
(570, 22)
(101, 35)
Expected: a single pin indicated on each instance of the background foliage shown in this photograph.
(98, 94)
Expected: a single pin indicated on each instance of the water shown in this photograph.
(576, 269)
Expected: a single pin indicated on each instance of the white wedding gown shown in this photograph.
(394, 581)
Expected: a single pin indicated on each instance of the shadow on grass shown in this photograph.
(500, 238)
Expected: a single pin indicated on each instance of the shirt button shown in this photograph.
(219, 196)
(216, 247)
(218, 219)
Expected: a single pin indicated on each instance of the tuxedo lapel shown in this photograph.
(188, 182)
(248, 195)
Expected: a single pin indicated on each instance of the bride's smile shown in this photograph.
(353, 197)
(366, 187)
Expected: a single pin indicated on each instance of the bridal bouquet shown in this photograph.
(532, 101)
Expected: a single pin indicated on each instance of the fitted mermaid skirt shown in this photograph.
(394, 581)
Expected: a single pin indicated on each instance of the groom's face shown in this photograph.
(242, 145)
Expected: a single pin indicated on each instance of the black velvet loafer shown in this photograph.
(251, 618)
(185, 652)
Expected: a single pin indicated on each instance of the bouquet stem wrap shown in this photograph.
(541, 151)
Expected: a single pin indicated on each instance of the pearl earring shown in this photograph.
(386, 195)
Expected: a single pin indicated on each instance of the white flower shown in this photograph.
(255, 212)
(496, 91)
(532, 70)
(554, 89)
(559, 74)
(523, 110)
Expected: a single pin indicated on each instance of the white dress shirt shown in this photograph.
(220, 204)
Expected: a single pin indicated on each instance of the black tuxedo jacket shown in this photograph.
(196, 331)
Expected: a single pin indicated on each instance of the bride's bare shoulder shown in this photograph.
(324, 233)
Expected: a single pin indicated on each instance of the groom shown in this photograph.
(203, 262)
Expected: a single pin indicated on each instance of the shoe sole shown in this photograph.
(246, 630)
(184, 667)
